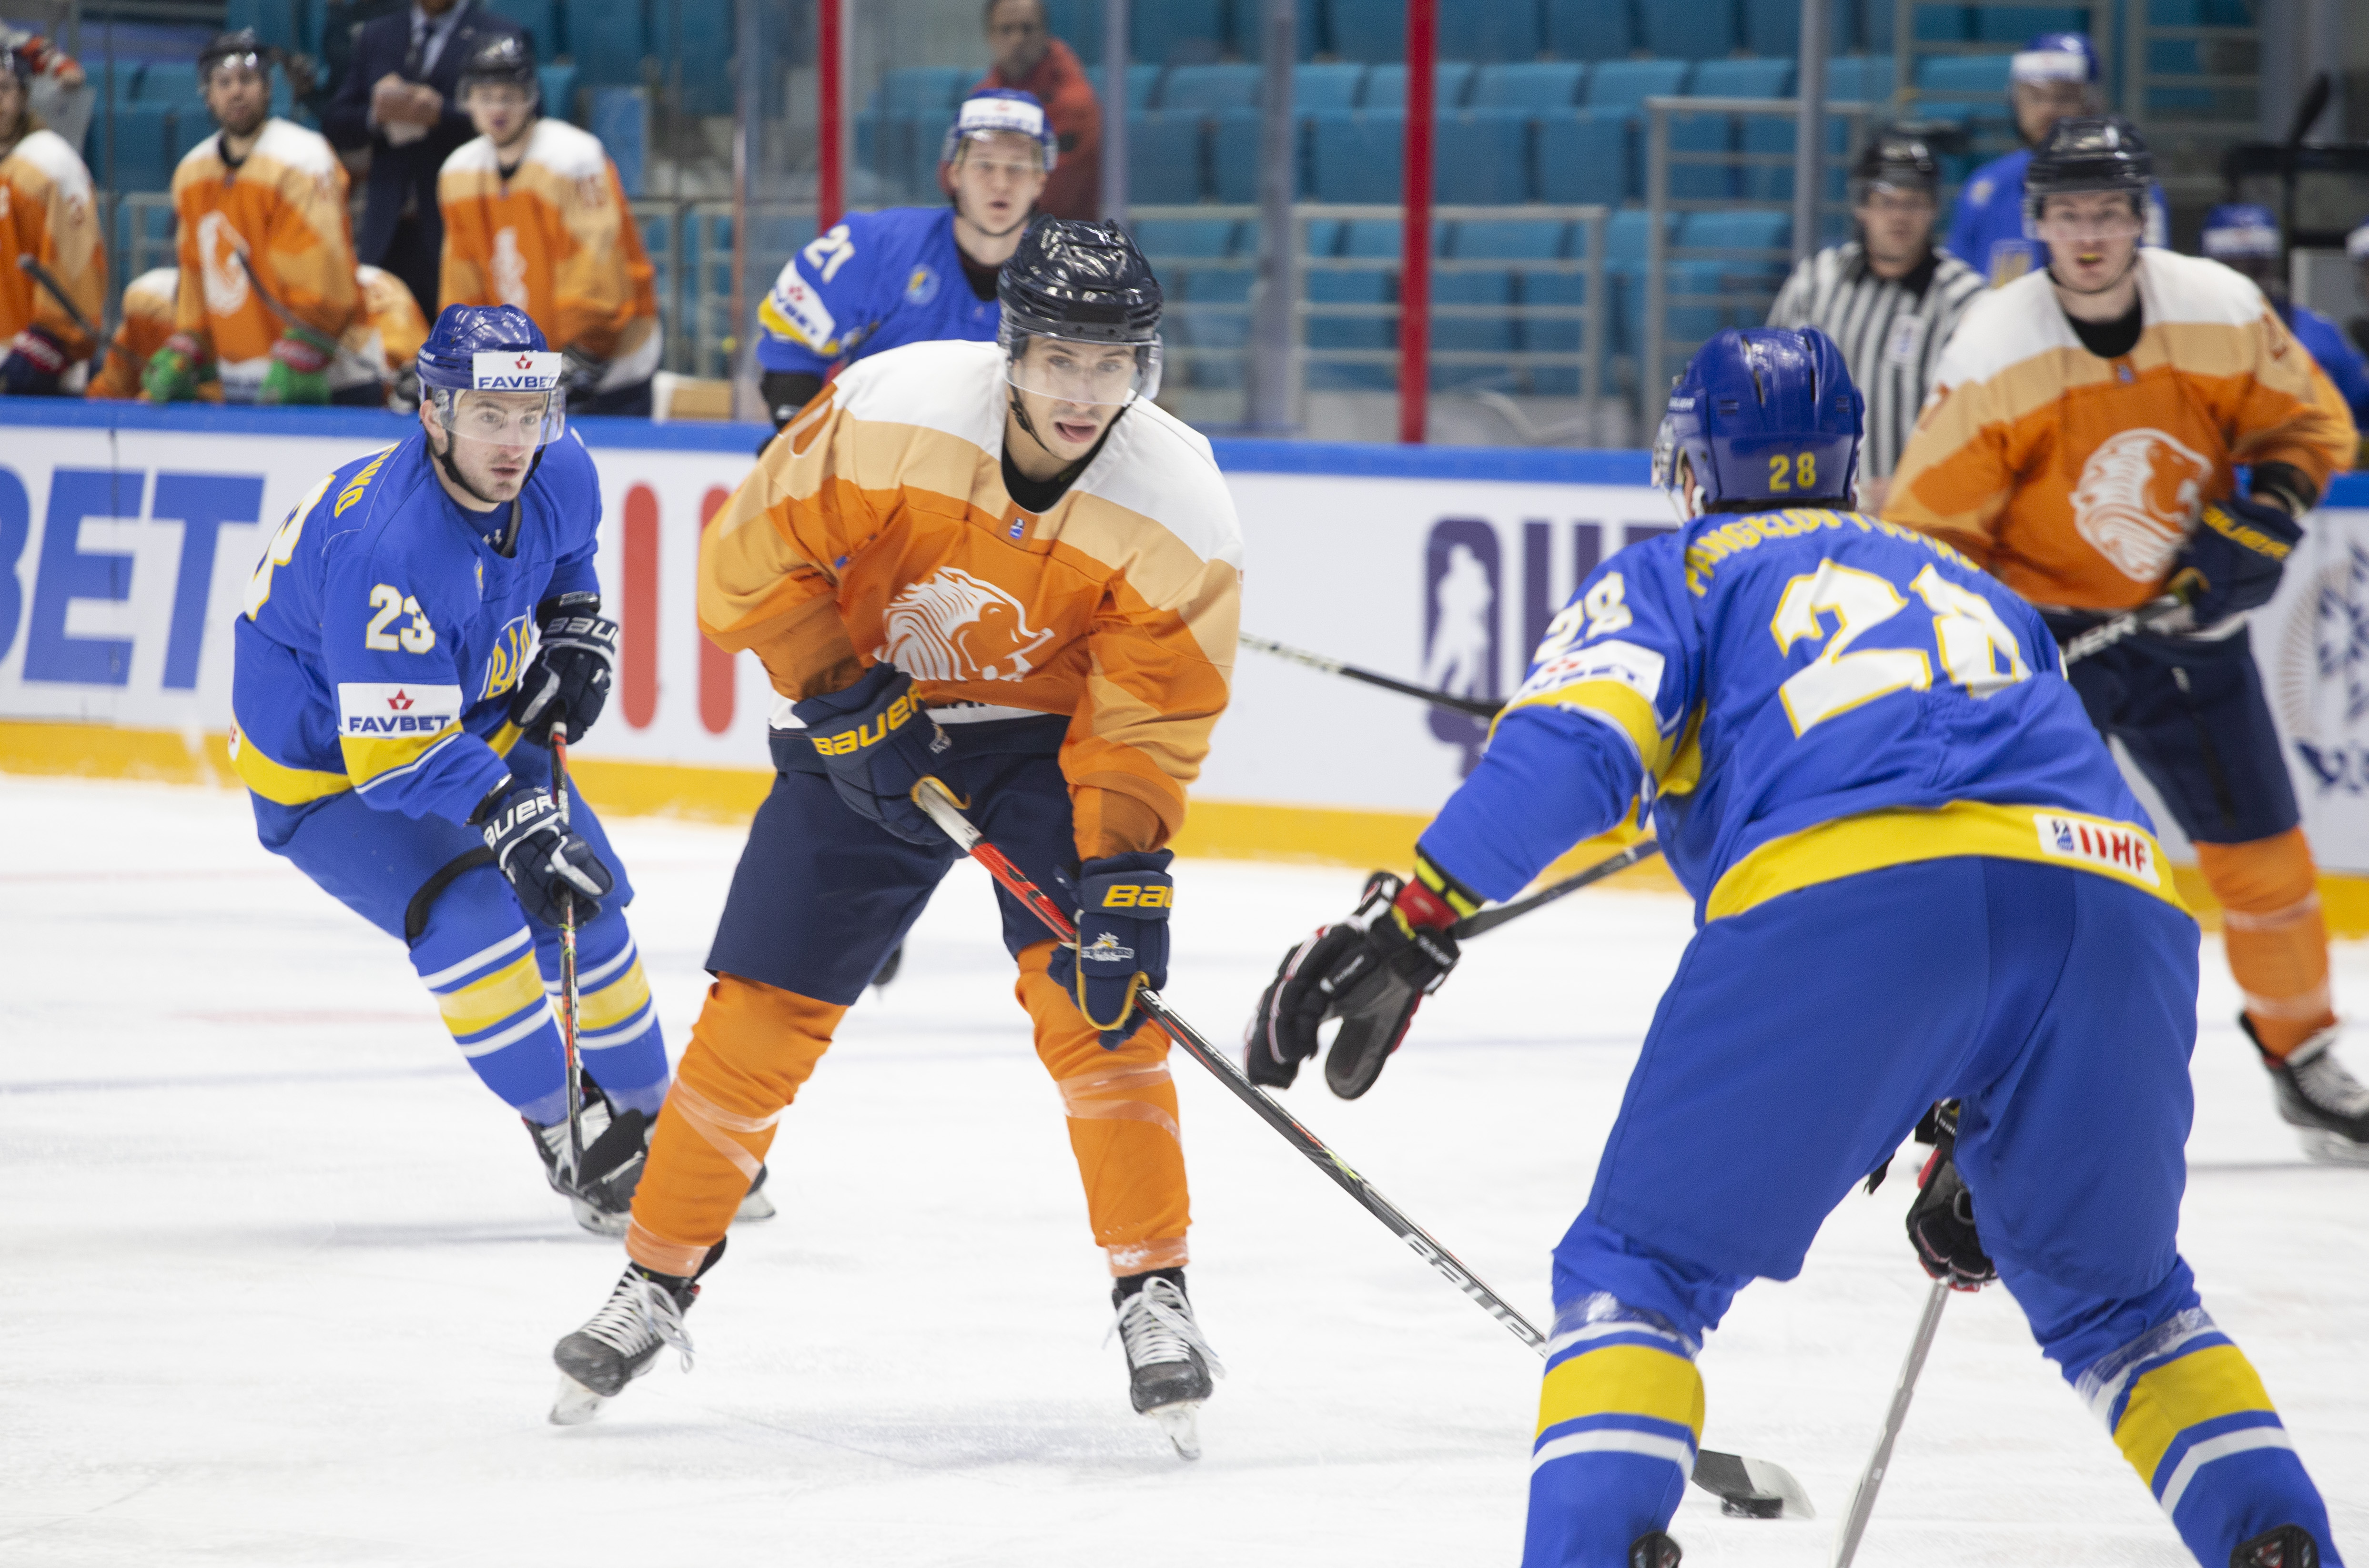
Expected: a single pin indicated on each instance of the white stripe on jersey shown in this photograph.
(1891, 338)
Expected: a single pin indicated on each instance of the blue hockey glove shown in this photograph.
(2232, 562)
(878, 742)
(1371, 971)
(541, 858)
(1122, 947)
(570, 676)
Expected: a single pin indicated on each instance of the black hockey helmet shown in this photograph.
(2089, 152)
(15, 62)
(1084, 283)
(504, 60)
(1897, 157)
(242, 47)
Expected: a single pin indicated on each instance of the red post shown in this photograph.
(830, 112)
(1414, 241)
(637, 652)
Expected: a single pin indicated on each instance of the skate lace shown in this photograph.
(1156, 1325)
(638, 1314)
(2323, 1081)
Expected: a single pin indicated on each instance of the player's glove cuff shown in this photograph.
(39, 350)
(1941, 1218)
(573, 666)
(304, 351)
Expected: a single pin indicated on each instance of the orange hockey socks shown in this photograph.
(1122, 1110)
(2270, 923)
(753, 1047)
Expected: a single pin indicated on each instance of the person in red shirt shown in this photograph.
(1027, 56)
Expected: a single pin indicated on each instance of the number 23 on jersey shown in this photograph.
(1975, 649)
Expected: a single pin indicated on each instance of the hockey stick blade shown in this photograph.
(1759, 1480)
(1473, 925)
(1479, 707)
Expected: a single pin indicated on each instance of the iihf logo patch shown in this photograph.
(2113, 847)
(1020, 526)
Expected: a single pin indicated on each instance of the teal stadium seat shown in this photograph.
(1773, 28)
(1386, 86)
(1176, 32)
(1208, 88)
(558, 83)
(1164, 156)
(1590, 30)
(1943, 24)
(1250, 35)
(167, 82)
(138, 134)
(1334, 85)
(1860, 78)
(539, 19)
(1369, 31)
(1531, 85)
(2013, 24)
(1354, 157)
(1079, 24)
(1970, 76)
(1741, 79)
(700, 35)
(1489, 30)
(1482, 155)
(1699, 30)
(610, 38)
(1627, 84)
(1234, 140)
(1142, 84)
(1586, 156)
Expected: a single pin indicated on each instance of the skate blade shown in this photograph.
(575, 1404)
(754, 1207)
(610, 1225)
(1182, 1426)
(2328, 1147)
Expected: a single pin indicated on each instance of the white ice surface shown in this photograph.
(278, 1281)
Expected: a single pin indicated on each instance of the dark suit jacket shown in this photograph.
(408, 171)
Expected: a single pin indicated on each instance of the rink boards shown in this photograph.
(128, 536)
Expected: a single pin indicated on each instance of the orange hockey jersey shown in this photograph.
(2076, 480)
(147, 322)
(391, 328)
(47, 212)
(877, 528)
(284, 210)
(556, 239)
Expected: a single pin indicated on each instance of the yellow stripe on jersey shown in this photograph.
(370, 758)
(279, 784)
(2204, 1386)
(1624, 1380)
(1874, 840)
(1632, 714)
(615, 1002)
(505, 994)
(770, 316)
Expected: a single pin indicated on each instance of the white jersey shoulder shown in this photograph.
(566, 151)
(472, 156)
(2189, 288)
(292, 146)
(199, 160)
(2005, 326)
(158, 284)
(1157, 467)
(55, 157)
(951, 386)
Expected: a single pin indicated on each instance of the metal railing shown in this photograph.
(2226, 90)
(1657, 349)
(1907, 48)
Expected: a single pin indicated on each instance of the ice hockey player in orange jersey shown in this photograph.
(2082, 440)
(534, 216)
(388, 333)
(1001, 565)
(261, 207)
(46, 214)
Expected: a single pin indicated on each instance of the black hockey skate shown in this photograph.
(1654, 1551)
(1169, 1365)
(602, 1192)
(2289, 1546)
(643, 1314)
(2327, 1105)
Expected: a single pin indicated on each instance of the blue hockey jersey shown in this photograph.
(1799, 696)
(876, 281)
(383, 635)
(2327, 343)
(1986, 230)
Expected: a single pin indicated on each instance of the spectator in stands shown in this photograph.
(387, 336)
(1030, 59)
(535, 217)
(267, 286)
(2356, 246)
(2245, 238)
(881, 279)
(1887, 298)
(397, 100)
(2051, 77)
(47, 218)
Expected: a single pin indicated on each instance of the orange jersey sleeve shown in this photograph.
(48, 212)
(2075, 478)
(878, 528)
(554, 236)
(284, 210)
(147, 322)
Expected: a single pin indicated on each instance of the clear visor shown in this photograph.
(228, 69)
(1666, 467)
(503, 419)
(1068, 370)
(490, 95)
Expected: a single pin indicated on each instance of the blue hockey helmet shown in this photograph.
(2056, 57)
(2241, 230)
(1001, 111)
(1764, 414)
(494, 348)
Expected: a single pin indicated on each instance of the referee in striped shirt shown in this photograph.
(1889, 299)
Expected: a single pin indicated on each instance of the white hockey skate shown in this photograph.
(642, 1316)
(2327, 1106)
(1169, 1364)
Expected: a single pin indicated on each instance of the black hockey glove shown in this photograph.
(878, 742)
(2231, 564)
(1370, 972)
(572, 671)
(542, 859)
(580, 374)
(35, 362)
(1942, 1219)
(1122, 946)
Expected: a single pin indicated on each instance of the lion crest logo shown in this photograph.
(952, 626)
(2138, 494)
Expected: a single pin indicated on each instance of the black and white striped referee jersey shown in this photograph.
(1891, 331)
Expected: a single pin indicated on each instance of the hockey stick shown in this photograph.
(1473, 925)
(2106, 633)
(379, 373)
(1479, 707)
(1750, 1488)
(569, 1011)
(42, 275)
(1871, 1481)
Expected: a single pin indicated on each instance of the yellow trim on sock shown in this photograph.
(505, 994)
(1624, 1380)
(2205, 1385)
(615, 1002)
